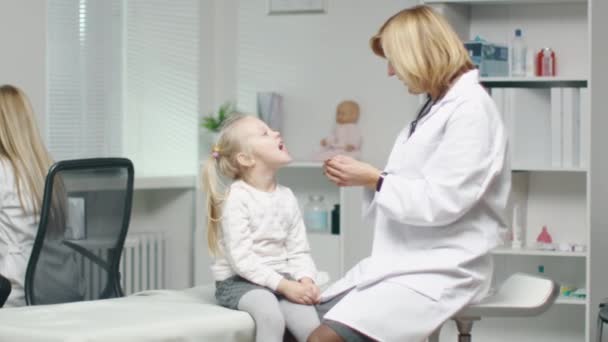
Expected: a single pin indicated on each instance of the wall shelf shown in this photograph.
(536, 252)
(305, 164)
(164, 182)
(547, 169)
(502, 2)
(533, 82)
(571, 301)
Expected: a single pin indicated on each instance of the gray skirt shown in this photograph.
(229, 292)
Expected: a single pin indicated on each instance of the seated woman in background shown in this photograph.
(24, 161)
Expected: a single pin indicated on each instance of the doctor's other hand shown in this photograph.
(347, 171)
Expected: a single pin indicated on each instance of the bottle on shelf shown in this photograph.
(518, 55)
(545, 62)
(335, 220)
(316, 214)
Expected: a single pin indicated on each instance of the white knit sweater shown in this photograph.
(262, 235)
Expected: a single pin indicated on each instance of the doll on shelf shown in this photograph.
(346, 136)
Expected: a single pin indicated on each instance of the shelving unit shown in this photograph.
(522, 168)
(537, 252)
(498, 2)
(571, 301)
(533, 82)
(556, 196)
(165, 182)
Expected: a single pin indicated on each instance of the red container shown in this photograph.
(545, 62)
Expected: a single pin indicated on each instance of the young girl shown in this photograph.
(255, 232)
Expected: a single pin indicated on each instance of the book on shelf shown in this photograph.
(556, 127)
(570, 127)
(502, 98)
(570, 120)
(584, 128)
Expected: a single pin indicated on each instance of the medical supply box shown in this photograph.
(491, 59)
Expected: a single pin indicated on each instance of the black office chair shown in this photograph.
(84, 220)
(602, 318)
(5, 290)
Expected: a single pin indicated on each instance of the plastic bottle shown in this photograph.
(519, 53)
(316, 214)
(518, 227)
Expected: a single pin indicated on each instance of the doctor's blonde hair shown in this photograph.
(21, 145)
(423, 49)
(221, 163)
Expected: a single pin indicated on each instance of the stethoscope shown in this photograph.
(426, 108)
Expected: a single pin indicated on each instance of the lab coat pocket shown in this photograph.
(423, 284)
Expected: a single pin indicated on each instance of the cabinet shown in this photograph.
(550, 154)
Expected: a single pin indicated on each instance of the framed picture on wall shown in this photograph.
(296, 6)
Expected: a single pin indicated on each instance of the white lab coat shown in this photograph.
(17, 232)
(435, 219)
(58, 276)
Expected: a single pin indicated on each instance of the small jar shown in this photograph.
(316, 214)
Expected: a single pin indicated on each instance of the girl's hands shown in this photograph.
(347, 171)
(297, 292)
(315, 291)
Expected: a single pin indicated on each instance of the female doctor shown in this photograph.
(24, 161)
(438, 204)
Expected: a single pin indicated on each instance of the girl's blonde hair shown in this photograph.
(221, 163)
(21, 144)
(423, 49)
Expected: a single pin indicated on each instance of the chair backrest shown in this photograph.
(84, 220)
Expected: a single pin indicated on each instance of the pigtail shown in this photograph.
(214, 201)
(219, 166)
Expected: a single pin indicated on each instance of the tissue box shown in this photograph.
(490, 59)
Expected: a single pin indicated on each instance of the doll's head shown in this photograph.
(347, 112)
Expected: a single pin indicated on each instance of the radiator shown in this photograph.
(143, 265)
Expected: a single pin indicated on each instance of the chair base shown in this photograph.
(464, 326)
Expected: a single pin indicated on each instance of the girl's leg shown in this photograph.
(301, 319)
(263, 306)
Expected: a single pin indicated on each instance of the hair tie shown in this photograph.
(216, 152)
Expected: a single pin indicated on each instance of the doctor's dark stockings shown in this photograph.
(332, 331)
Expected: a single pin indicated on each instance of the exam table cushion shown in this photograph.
(158, 315)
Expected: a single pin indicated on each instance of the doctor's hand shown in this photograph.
(347, 171)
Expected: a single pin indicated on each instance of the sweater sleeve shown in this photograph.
(299, 260)
(238, 243)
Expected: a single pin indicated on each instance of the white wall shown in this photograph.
(23, 50)
(317, 60)
(218, 53)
